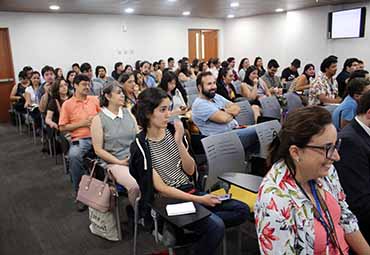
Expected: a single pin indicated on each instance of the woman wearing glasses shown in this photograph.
(301, 207)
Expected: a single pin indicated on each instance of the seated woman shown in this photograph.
(225, 85)
(253, 88)
(160, 161)
(18, 91)
(59, 94)
(303, 82)
(112, 132)
(128, 69)
(177, 102)
(127, 83)
(301, 207)
(32, 101)
(243, 66)
(70, 77)
(139, 80)
(258, 63)
(185, 73)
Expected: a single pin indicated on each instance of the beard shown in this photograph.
(209, 94)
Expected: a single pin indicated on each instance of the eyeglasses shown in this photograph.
(328, 148)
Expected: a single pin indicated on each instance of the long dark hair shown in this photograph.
(55, 89)
(241, 63)
(306, 67)
(250, 70)
(167, 78)
(298, 129)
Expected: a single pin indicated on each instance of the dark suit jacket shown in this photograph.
(354, 169)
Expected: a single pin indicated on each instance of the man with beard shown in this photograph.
(75, 117)
(148, 78)
(101, 79)
(213, 114)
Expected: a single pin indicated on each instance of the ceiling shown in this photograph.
(198, 8)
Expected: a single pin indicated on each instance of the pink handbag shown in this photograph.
(95, 193)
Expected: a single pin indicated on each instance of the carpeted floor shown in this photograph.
(38, 216)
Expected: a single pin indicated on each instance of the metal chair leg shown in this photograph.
(155, 219)
(118, 220)
(224, 246)
(34, 132)
(136, 222)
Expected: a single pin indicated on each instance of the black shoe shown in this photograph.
(80, 206)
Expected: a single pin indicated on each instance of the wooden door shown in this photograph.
(210, 44)
(6, 74)
(203, 44)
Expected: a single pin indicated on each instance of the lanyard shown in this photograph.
(320, 204)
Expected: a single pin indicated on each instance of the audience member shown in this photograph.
(214, 65)
(252, 87)
(225, 85)
(129, 89)
(185, 73)
(32, 90)
(194, 68)
(101, 79)
(156, 72)
(259, 64)
(118, 70)
(28, 70)
(243, 66)
(171, 64)
(346, 111)
(290, 73)
(76, 68)
(177, 102)
(112, 132)
(350, 65)
(303, 82)
(86, 69)
(17, 93)
(213, 114)
(300, 205)
(75, 117)
(48, 74)
(70, 77)
(128, 69)
(354, 166)
(59, 94)
(139, 80)
(160, 162)
(137, 65)
(361, 65)
(231, 61)
(58, 73)
(145, 71)
(324, 89)
(203, 67)
(359, 74)
(270, 78)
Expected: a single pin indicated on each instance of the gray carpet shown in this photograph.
(38, 216)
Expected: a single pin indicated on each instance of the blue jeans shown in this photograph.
(211, 229)
(75, 156)
(248, 137)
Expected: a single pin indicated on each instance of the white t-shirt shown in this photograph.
(32, 92)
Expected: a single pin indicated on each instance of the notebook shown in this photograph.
(180, 209)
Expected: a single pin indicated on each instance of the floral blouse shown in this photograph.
(322, 85)
(284, 217)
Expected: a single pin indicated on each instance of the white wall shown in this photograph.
(62, 39)
(301, 34)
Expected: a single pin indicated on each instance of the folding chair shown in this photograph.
(246, 115)
(331, 107)
(191, 90)
(190, 83)
(237, 85)
(270, 107)
(266, 132)
(293, 100)
(191, 99)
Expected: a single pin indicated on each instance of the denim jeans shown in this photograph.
(211, 229)
(75, 155)
(248, 137)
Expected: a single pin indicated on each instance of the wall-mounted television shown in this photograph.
(347, 23)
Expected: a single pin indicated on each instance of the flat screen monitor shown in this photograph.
(347, 23)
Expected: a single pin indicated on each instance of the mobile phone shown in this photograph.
(224, 197)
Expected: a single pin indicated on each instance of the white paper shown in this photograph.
(180, 209)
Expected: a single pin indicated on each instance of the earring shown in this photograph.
(297, 159)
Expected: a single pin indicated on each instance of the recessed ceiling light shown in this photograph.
(279, 10)
(234, 4)
(230, 16)
(186, 13)
(54, 7)
(129, 10)
(172, 1)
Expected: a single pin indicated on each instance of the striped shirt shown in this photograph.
(166, 161)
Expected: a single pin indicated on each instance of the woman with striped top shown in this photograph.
(160, 161)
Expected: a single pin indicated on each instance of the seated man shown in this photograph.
(324, 89)
(213, 114)
(350, 65)
(346, 111)
(148, 78)
(43, 93)
(271, 79)
(75, 117)
(289, 74)
(101, 79)
(354, 165)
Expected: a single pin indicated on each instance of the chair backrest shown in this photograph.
(246, 115)
(190, 83)
(191, 90)
(270, 107)
(266, 132)
(224, 154)
(331, 107)
(293, 101)
(191, 99)
(237, 85)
